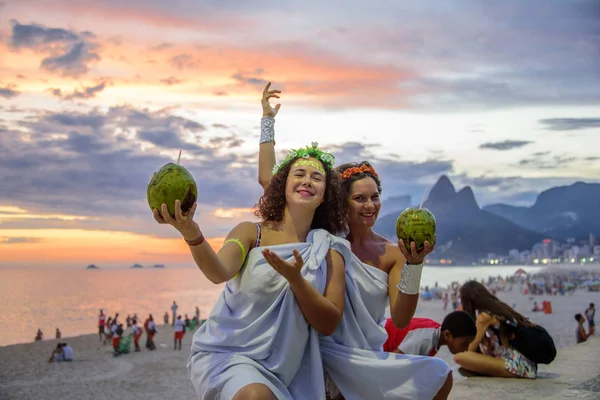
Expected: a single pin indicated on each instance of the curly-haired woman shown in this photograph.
(284, 284)
(379, 271)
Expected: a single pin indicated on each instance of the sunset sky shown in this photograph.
(97, 95)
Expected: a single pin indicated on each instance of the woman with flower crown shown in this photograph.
(380, 271)
(284, 284)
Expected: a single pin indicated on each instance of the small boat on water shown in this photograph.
(158, 266)
(137, 266)
(92, 266)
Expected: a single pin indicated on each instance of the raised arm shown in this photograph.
(266, 151)
(402, 305)
(404, 281)
(323, 312)
(217, 267)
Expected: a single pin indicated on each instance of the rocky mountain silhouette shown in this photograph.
(464, 230)
(562, 212)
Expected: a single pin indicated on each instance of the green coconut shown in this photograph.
(172, 182)
(416, 225)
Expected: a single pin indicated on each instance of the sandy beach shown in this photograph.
(95, 373)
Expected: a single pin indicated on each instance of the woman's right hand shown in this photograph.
(183, 221)
(269, 111)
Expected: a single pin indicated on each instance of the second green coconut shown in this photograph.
(416, 225)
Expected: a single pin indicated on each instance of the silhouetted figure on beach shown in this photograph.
(174, 310)
(58, 334)
(179, 332)
(39, 335)
(166, 318)
(137, 332)
(101, 325)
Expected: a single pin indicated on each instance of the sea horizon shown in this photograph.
(70, 299)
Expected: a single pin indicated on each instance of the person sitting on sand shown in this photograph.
(424, 336)
(67, 352)
(500, 359)
(580, 334)
(590, 313)
(57, 354)
(39, 335)
(536, 308)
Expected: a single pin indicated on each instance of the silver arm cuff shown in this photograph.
(267, 129)
(410, 279)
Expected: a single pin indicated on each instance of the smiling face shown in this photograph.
(306, 183)
(364, 202)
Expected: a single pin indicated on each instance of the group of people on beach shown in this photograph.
(110, 330)
(303, 311)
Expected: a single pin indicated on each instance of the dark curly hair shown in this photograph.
(347, 183)
(330, 215)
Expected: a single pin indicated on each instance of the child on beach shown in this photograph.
(580, 334)
(424, 336)
(590, 313)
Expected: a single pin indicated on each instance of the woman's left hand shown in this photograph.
(485, 320)
(290, 271)
(413, 256)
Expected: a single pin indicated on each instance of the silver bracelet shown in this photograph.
(410, 279)
(267, 130)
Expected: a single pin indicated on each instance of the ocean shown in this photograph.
(70, 299)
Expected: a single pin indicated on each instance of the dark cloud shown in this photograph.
(570, 124)
(219, 126)
(505, 145)
(84, 93)
(162, 46)
(170, 81)
(487, 181)
(9, 91)
(69, 53)
(15, 240)
(95, 164)
(251, 78)
(182, 61)
(229, 142)
(546, 161)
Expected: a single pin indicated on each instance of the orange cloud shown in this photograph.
(60, 247)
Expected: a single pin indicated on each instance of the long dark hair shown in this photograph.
(330, 215)
(476, 298)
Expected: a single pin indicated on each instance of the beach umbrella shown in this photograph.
(426, 296)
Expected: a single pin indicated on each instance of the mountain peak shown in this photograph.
(466, 198)
(442, 190)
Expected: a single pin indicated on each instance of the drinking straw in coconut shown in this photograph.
(179, 157)
(424, 196)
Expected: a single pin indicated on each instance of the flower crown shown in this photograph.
(310, 151)
(350, 172)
